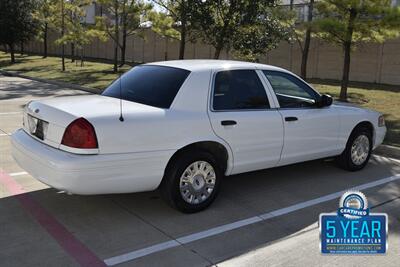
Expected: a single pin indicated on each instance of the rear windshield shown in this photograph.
(151, 85)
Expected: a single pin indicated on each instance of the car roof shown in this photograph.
(207, 64)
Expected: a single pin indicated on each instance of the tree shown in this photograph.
(62, 9)
(122, 16)
(175, 22)
(305, 49)
(77, 32)
(132, 15)
(302, 34)
(74, 20)
(164, 25)
(349, 23)
(17, 22)
(43, 16)
(249, 28)
(59, 9)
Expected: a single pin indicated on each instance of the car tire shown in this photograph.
(358, 150)
(188, 189)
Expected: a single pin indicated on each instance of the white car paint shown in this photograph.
(133, 154)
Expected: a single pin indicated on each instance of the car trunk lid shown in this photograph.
(46, 120)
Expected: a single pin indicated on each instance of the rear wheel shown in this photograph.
(358, 150)
(191, 181)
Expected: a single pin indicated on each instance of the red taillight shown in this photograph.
(80, 134)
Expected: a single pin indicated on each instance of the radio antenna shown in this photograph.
(121, 118)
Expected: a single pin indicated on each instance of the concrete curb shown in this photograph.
(388, 151)
(58, 83)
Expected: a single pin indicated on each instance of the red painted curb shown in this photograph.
(75, 248)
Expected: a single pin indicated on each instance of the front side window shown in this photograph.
(238, 90)
(290, 91)
(151, 85)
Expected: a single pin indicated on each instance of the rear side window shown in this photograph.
(151, 85)
(238, 90)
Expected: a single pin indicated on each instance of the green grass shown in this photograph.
(383, 98)
(92, 74)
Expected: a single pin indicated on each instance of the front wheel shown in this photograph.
(358, 150)
(192, 181)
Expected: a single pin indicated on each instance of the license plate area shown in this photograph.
(37, 127)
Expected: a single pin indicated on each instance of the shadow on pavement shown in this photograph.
(26, 88)
(111, 225)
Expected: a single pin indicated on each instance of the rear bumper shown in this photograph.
(89, 174)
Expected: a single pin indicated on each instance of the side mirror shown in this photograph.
(324, 101)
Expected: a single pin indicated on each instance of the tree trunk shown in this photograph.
(72, 52)
(307, 41)
(346, 71)
(72, 18)
(62, 35)
(123, 48)
(22, 48)
(304, 54)
(124, 25)
(116, 37)
(82, 53)
(63, 58)
(115, 68)
(218, 50)
(182, 43)
(12, 52)
(45, 40)
(220, 41)
(347, 53)
(291, 44)
(166, 49)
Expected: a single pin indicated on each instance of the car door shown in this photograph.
(310, 132)
(241, 113)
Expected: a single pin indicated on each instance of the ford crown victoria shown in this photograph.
(181, 126)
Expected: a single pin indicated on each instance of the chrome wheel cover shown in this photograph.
(197, 182)
(360, 149)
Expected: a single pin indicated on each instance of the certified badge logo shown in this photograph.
(353, 205)
(353, 229)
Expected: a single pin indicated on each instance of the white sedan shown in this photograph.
(181, 126)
